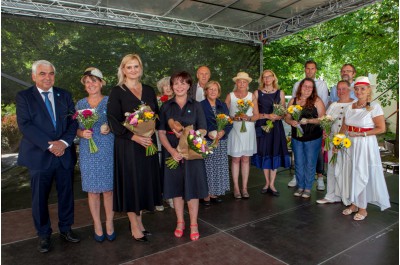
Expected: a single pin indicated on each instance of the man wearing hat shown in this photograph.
(44, 116)
(310, 70)
(348, 72)
(196, 91)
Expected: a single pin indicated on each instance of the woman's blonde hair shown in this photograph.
(162, 83)
(261, 79)
(209, 84)
(125, 60)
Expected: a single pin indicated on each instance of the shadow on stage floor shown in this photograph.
(261, 230)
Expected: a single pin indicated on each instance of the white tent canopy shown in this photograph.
(246, 21)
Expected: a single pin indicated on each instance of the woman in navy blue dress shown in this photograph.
(96, 170)
(272, 151)
(187, 182)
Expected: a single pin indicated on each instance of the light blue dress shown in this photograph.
(97, 168)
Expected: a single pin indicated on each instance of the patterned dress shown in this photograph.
(217, 167)
(96, 169)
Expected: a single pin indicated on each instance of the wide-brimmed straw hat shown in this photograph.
(93, 72)
(242, 75)
(363, 80)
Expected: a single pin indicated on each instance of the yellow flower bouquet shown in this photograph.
(295, 112)
(340, 141)
(243, 106)
(221, 121)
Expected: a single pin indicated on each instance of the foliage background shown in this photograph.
(72, 47)
(367, 38)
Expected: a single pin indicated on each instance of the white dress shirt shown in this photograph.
(199, 93)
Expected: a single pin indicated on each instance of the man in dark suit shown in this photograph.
(44, 115)
(196, 91)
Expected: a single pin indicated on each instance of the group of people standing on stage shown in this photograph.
(357, 177)
(132, 182)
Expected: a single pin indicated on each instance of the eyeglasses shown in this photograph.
(346, 71)
(268, 76)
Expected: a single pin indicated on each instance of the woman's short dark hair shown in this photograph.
(184, 76)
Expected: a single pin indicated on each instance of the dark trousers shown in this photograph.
(320, 163)
(41, 182)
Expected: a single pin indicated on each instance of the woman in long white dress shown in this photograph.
(363, 121)
(241, 145)
(336, 110)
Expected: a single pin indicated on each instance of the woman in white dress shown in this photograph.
(336, 110)
(241, 145)
(363, 120)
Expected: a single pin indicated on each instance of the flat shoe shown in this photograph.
(237, 196)
(323, 201)
(349, 211)
(216, 200)
(264, 191)
(273, 193)
(298, 192)
(245, 194)
(359, 217)
(306, 195)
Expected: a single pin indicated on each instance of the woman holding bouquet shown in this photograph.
(188, 181)
(96, 171)
(217, 165)
(334, 184)
(136, 176)
(306, 146)
(242, 143)
(363, 120)
(272, 151)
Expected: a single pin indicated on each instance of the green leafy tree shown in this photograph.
(367, 38)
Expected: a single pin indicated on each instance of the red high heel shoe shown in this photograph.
(179, 232)
(194, 236)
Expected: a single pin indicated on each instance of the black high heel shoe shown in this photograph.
(141, 239)
(145, 232)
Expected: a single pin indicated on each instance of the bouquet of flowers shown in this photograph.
(142, 122)
(243, 106)
(278, 110)
(87, 118)
(192, 145)
(161, 100)
(221, 120)
(326, 124)
(295, 112)
(340, 141)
